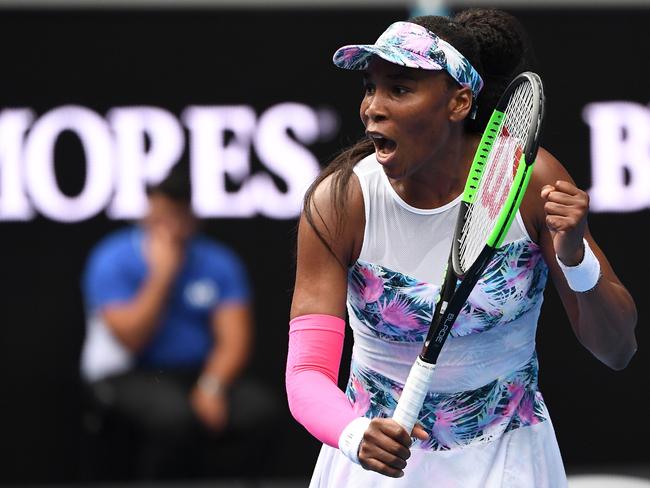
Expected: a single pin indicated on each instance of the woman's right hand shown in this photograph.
(385, 447)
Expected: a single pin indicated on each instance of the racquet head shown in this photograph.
(500, 171)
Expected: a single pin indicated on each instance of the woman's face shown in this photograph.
(406, 113)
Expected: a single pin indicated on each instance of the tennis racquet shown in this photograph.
(495, 187)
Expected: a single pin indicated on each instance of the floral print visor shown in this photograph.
(413, 46)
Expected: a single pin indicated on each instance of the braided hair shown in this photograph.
(505, 51)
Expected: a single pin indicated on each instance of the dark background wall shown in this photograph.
(173, 59)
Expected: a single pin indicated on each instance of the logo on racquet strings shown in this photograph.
(502, 167)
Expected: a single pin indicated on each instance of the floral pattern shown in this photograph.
(394, 306)
(414, 46)
(398, 308)
(455, 420)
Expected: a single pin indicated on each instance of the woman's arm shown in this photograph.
(321, 273)
(318, 315)
(604, 317)
(316, 339)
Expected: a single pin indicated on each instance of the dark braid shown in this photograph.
(505, 51)
(494, 42)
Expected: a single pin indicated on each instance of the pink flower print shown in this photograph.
(516, 290)
(526, 267)
(518, 277)
(373, 286)
(493, 422)
(516, 391)
(516, 274)
(397, 313)
(444, 424)
(350, 54)
(419, 45)
(361, 398)
(527, 411)
(534, 259)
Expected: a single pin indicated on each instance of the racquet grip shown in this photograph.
(412, 398)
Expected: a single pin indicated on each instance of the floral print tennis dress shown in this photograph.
(487, 422)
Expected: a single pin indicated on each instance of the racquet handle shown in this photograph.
(412, 398)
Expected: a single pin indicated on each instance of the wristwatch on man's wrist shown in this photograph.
(210, 384)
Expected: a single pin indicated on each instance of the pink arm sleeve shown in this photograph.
(315, 347)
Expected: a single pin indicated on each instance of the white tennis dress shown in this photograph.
(487, 421)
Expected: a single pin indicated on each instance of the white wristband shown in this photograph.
(350, 438)
(585, 275)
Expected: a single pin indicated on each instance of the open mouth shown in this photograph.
(383, 145)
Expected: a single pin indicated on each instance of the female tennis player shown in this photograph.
(374, 238)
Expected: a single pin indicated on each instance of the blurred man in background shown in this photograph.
(169, 333)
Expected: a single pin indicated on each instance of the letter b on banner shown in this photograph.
(620, 156)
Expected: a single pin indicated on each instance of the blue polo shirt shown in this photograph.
(211, 276)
